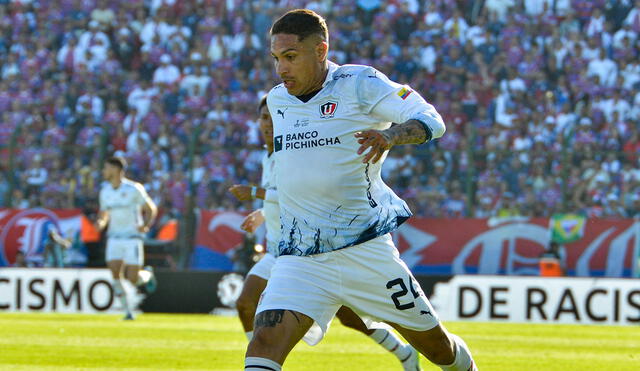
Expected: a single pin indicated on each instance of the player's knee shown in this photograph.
(263, 342)
(133, 279)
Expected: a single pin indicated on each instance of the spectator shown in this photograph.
(517, 82)
(167, 73)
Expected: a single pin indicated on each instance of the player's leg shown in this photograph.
(300, 291)
(132, 273)
(254, 284)
(385, 338)
(441, 347)
(276, 332)
(381, 285)
(119, 285)
(248, 302)
(115, 262)
(135, 276)
(142, 278)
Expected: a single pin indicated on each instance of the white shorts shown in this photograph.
(129, 250)
(369, 278)
(263, 267)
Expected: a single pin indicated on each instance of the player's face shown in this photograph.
(266, 126)
(299, 63)
(109, 172)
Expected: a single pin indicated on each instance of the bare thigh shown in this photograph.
(131, 273)
(276, 332)
(350, 319)
(115, 266)
(248, 300)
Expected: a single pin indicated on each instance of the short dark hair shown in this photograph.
(117, 161)
(263, 102)
(303, 23)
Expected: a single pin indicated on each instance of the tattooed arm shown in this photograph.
(409, 132)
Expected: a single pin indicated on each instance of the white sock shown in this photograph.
(391, 342)
(120, 291)
(143, 277)
(249, 335)
(260, 364)
(463, 360)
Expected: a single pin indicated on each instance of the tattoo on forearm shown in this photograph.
(410, 132)
(269, 318)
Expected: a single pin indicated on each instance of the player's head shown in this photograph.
(266, 125)
(299, 45)
(114, 168)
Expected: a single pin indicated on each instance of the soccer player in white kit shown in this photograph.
(332, 130)
(129, 211)
(257, 278)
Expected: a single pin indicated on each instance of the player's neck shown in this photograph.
(322, 76)
(115, 182)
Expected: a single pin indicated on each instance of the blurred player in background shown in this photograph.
(258, 276)
(54, 247)
(332, 131)
(129, 211)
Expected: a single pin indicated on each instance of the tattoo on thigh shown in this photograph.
(269, 318)
(294, 314)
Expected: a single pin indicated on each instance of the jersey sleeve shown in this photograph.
(103, 201)
(142, 197)
(271, 195)
(392, 102)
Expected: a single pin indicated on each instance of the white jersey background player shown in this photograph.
(332, 130)
(259, 274)
(129, 212)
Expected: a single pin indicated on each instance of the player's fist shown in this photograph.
(252, 221)
(377, 141)
(241, 192)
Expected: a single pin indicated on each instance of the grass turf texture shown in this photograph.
(201, 342)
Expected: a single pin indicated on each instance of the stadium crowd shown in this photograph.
(540, 97)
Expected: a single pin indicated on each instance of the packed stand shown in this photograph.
(540, 97)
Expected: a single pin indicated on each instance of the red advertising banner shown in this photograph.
(26, 230)
(468, 246)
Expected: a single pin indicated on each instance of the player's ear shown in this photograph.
(322, 48)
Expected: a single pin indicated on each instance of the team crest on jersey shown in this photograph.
(328, 109)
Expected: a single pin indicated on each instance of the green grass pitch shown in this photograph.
(202, 342)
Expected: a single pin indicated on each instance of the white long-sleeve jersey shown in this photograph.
(124, 205)
(270, 206)
(328, 198)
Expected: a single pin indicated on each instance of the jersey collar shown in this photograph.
(332, 68)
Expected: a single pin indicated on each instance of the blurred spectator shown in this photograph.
(5, 186)
(539, 97)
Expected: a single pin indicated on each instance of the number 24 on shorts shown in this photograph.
(396, 296)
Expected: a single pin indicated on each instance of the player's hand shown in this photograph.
(252, 221)
(99, 225)
(143, 229)
(241, 192)
(378, 142)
